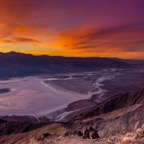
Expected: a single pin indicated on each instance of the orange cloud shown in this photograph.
(7, 41)
(119, 38)
(72, 28)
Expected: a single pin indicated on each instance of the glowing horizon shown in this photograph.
(81, 28)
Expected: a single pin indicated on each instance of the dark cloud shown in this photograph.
(26, 40)
(115, 30)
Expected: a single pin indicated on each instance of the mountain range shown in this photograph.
(20, 64)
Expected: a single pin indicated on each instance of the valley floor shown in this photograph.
(41, 95)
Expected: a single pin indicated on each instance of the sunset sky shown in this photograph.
(105, 28)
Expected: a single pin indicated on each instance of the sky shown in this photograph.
(79, 28)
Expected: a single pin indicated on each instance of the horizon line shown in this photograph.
(68, 56)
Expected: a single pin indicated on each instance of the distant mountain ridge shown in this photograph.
(20, 64)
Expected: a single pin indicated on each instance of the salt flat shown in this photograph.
(41, 95)
(31, 95)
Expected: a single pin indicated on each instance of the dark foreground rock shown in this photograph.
(4, 90)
